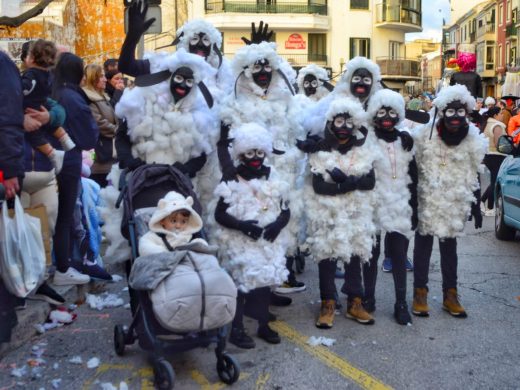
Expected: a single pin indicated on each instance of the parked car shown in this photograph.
(507, 191)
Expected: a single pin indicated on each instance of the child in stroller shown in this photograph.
(177, 271)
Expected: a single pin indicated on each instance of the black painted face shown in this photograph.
(262, 73)
(253, 159)
(386, 118)
(200, 45)
(342, 127)
(455, 116)
(181, 83)
(361, 83)
(310, 84)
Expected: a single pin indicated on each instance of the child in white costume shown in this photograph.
(395, 190)
(175, 221)
(448, 191)
(251, 216)
(340, 206)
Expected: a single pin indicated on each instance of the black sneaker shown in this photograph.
(401, 313)
(240, 338)
(47, 294)
(369, 304)
(291, 286)
(278, 300)
(93, 270)
(269, 335)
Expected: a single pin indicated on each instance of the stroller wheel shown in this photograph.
(119, 339)
(228, 369)
(164, 376)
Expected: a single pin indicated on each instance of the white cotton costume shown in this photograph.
(253, 264)
(448, 175)
(342, 226)
(321, 75)
(151, 243)
(274, 109)
(315, 120)
(393, 212)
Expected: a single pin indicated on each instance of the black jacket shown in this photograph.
(11, 119)
(471, 80)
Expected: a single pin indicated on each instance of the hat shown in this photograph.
(450, 94)
(173, 201)
(195, 26)
(489, 100)
(359, 63)
(251, 136)
(388, 98)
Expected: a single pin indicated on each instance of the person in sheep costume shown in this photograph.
(449, 152)
(340, 207)
(396, 194)
(264, 95)
(196, 36)
(313, 84)
(251, 213)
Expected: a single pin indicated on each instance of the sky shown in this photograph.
(433, 11)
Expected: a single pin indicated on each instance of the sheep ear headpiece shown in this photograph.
(246, 57)
(200, 68)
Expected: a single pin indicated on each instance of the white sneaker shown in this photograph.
(56, 158)
(489, 213)
(71, 276)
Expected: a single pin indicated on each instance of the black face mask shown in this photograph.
(262, 73)
(310, 84)
(361, 83)
(386, 118)
(200, 45)
(455, 116)
(181, 83)
(253, 159)
(341, 127)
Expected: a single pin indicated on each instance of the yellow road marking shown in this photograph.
(144, 374)
(205, 384)
(262, 381)
(362, 378)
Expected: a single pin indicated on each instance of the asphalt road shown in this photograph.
(439, 352)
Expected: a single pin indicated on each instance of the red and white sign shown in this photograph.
(295, 42)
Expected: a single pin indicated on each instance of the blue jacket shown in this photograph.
(35, 160)
(80, 125)
(11, 119)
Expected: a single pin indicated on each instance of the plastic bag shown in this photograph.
(22, 254)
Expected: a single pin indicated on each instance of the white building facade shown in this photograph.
(325, 32)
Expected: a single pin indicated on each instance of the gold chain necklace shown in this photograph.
(265, 203)
(442, 155)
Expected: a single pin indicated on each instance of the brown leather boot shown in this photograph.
(357, 312)
(452, 305)
(420, 302)
(327, 312)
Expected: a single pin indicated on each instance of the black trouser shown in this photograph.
(492, 162)
(353, 285)
(422, 252)
(387, 253)
(257, 302)
(397, 246)
(68, 185)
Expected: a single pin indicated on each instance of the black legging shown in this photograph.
(68, 185)
(492, 162)
(422, 252)
(257, 302)
(397, 246)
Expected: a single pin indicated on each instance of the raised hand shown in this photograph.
(137, 23)
(260, 35)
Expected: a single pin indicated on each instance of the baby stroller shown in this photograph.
(140, 192)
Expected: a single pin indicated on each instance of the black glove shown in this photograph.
(262, 35)
(135, 163)
(137, 25)
(337, 175)
(477, 215)
(308, 145)
(193, 165)
(406, 140)
(415, 220)
(272, 230)
(250, 229)
(367, 182)
(224, 133)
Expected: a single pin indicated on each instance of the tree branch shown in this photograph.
(16, 21)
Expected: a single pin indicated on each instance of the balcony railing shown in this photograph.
(267, 7)
(399, 67)
(359, 4)
(511, 31)
(397, 14)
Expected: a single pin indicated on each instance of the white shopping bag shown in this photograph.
(22, 254)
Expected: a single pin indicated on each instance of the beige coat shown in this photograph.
(106, 119)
